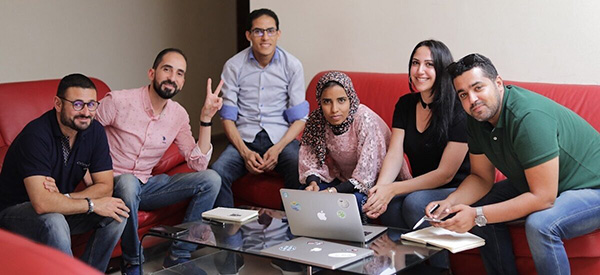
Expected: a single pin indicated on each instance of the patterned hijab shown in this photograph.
(314, 132)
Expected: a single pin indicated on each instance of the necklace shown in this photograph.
(425, 105)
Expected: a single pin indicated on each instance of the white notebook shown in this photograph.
(230, 214)
(440, 237)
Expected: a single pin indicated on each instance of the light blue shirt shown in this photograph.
(258, 98)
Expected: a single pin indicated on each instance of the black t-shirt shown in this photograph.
(423, 156)
(37, 150)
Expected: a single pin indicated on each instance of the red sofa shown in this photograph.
(22, 256)
(380, 92)
(21, 102)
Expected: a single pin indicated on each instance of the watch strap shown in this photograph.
(205, 124)
(90, 206)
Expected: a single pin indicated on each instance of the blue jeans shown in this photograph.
(231, 167)
(55, 230)
(160, 191)
(404, 211)
(575, 213)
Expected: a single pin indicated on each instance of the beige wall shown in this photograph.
(117, 41)
(536, 40)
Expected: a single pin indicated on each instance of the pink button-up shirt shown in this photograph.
(138, 138)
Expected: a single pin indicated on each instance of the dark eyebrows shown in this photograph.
(470, 86)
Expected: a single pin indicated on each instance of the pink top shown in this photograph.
(138, 139)
(355, 156)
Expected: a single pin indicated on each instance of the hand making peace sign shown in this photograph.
(212, 103)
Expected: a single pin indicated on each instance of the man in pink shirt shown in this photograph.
(140, 125)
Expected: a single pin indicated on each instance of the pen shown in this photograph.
(435, 207)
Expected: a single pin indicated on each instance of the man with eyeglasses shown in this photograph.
(141, 124)
(45, 163)
(264, 108)
(551, 157)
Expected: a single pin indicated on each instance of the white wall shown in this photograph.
(117, 41)
(535, 40)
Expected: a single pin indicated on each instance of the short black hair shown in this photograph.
(74, 80)
(471, 61)
(260, 12)
(162, 53)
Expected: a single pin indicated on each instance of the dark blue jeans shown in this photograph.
(160, 191)
(230, 166)
(575, 213)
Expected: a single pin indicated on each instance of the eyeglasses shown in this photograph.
(78, 104)
(258, 32)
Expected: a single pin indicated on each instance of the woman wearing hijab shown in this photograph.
(344, 142)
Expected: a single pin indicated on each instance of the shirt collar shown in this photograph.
(275, 56)
(56, 128)
(501, 118)
(148, 104)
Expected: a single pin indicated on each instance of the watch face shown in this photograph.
(480, 220)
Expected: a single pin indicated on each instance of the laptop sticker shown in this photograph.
(343, 203)
(285, 194)
(287, 248)
(316, 249)
(295, 205)
(314, 243)
(341, 214)
(342, 255)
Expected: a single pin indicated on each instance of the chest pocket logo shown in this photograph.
(84, 166)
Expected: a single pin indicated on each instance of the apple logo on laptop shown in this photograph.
(321, 216)
(315, 249)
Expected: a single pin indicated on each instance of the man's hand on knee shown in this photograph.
(111, 207)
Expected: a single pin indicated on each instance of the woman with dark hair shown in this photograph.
(429, 126)
(344, 142)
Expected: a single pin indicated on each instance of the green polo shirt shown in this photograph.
(533, 129)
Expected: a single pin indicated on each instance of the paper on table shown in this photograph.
(440, 237)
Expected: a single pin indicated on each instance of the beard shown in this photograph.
(489, 110)
(70, 122)
(164, 92)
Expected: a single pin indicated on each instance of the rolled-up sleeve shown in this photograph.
(297, 106)
(230, 90)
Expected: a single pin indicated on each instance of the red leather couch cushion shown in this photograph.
(22, 256)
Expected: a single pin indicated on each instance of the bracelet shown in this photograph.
(90, 206)
(67, 195)
(205, 124)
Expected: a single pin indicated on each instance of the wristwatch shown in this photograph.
(90, 206)
(480, 219)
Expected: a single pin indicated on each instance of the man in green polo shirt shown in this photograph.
(551, 158)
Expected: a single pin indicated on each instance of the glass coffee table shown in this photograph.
(232, 240)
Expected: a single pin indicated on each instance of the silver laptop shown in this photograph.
(317, 253)
(326, 215)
